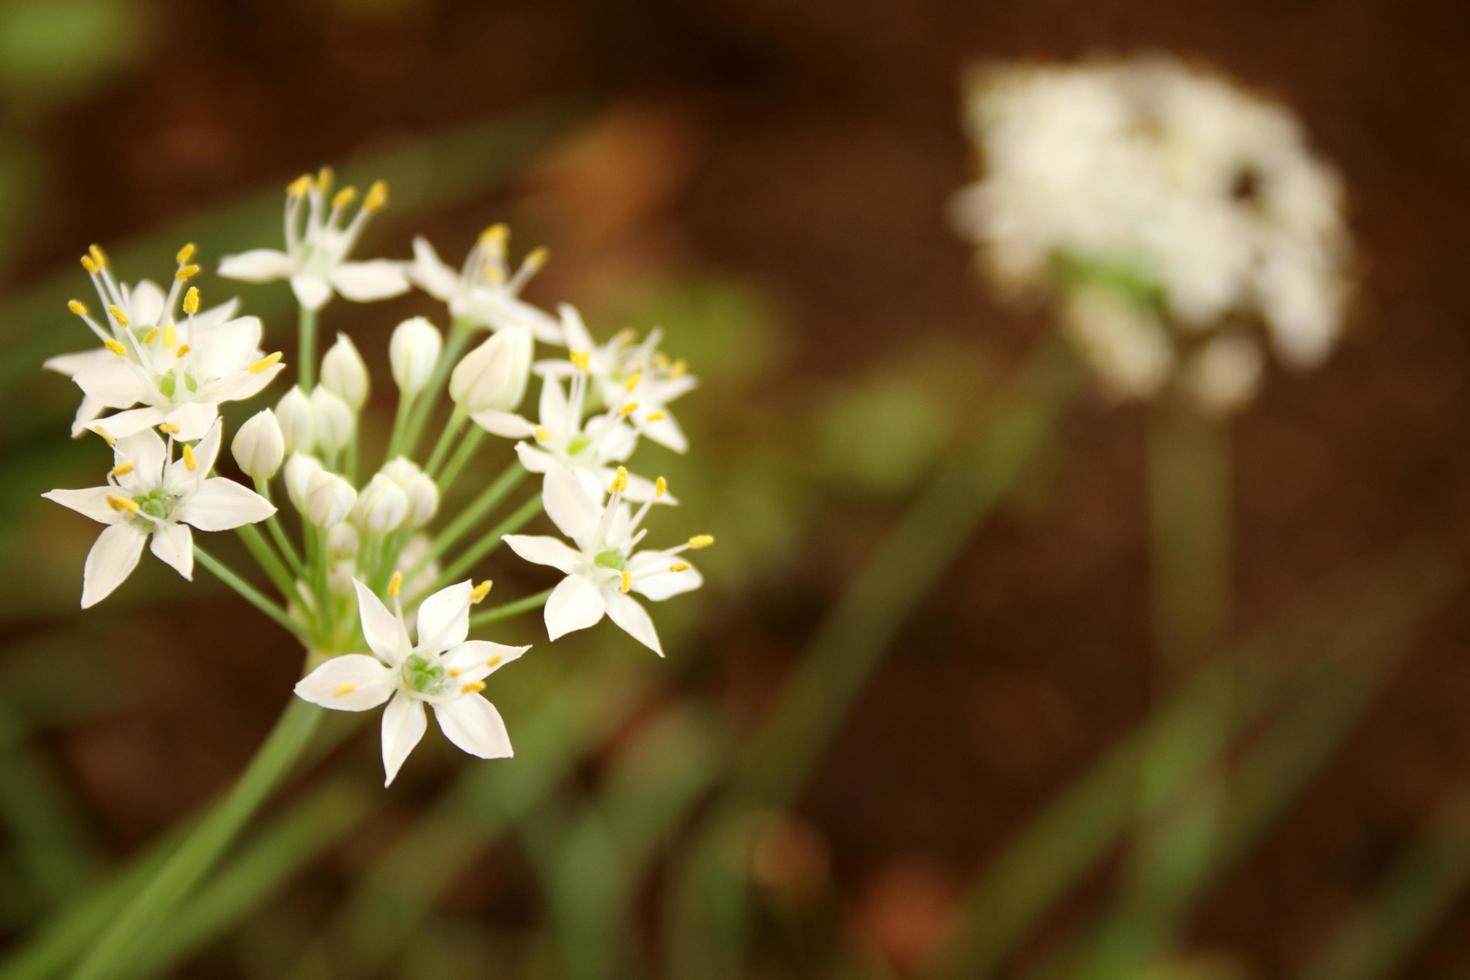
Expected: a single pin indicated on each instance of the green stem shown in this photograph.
(460, 332)
(260, 549)
(149, 911)
(306, 360)
(489, 542)
(401, 415)
(461, 456)
(247, 591)
(317, 556)
(509, 609)
(456, 422)
(278, 534)
(470, 516)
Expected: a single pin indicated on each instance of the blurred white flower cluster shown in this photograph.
(1169, 213)
(155, 387)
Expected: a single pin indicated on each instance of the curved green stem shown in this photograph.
(446, 438)
(247, 591)
(306, 359)
(261, 551)
(460, 332)
(489, 542)
(278, 533)
(509, 609)
(461, 456)
(470, 516)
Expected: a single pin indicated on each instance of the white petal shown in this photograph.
(227, 347)
(430, 273)
(87, 412)
(70, 364)
(640, 489)
(114, 383)
(556, 413)
(473, 724)
(666, 432)
(351, 682)
(568, 505)
(505, 424)
(536, 460)
(256, 265)
(111, 560)
(182, 480)
(652, 578)
(364, 282)
(146, 452)
(575, 604)
(173, 544)
(475, 660)
(634, 619)
(545, 550)
(384, 632)
(240, 385)
(129, 422)
(311, 292)
(91, 502)
(220, 504)
(145, 303)
(444, 618)
(207, 450)
(193, 420)
(574, 331)
(403, 725)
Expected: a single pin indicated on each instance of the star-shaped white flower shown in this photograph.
(590, 448)
(605, 565)
(151, 496)
(443, 670)
(635, 378)
(485, 291)
(317, 246)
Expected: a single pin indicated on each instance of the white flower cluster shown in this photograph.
(1166, 209)
(154, 389)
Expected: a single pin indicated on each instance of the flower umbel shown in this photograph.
(484, 291)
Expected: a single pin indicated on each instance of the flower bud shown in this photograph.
(493, 376)
(259, 446)
(421, 491)
(329, 499)
(412, 353)
(381, 506)
(293, 413)
(342, 542)
(300, 468)
(344, 374)
(332, 421)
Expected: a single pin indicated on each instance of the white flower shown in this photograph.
(178, 372)
(332, 420)
(298, 425)
(151, 496)
(493, 376)
(300, 468)
(421, 491)
(345, 374)
(317, 246)
(329, 499)
(413, 351)
(484, 292)
(635, 378)
(381, 507)
(259, 445)
(1224, 373)
(605, 565)
(591, 449)
(443, 670)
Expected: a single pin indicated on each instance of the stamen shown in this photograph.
(344, 197)
(660, 487)
(632, 383)
(678, 370)
(150, 336)
(77, 307)
(185, 254)
(190, 462)
(473, 687)
(265, 363)
(627, 410)
(191, 300)
(324, 179)
(89, 265)
(181, 350)
(395, 584)
(170, 335)
(679, 566)
(115, 347)
(582, 359)
(655, 416)
(626, 583)
(701, 541)
(107, 437)
(123, 505)
(168, 428)
(116, 312)
(533, 262)
(377, 197)
(542, 434)
(495, 236)
(99, 257)
(299, 186)
(493, 661)
(344, 689)
(479, 592)
(186, 273)
(122, 469)
(620, 481)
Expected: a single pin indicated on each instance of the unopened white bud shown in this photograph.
(493, 376)
(293, 413)
(329, 499)
(342, 541)
(332, 421)
(381, 507)
(259, 446)
(421, 491)
(300, 468)
(412, 354)
(345, 374)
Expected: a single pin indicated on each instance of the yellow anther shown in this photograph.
(77, 306)
(123, 505)
(107, 437)
(185, 254)
(299, 186)
(181, 350)
(655, 417)
(170, 335)
(493, 661)
(473, 687)
(660, 487)
(116, 312)
(624, 337)
(632, 383)
(186, 272)
(493, 274)
(122, 469)
(495, 236)
(626, 583)
(377, 197)
(701, 541)
(324, 179)
(344, 197)
(627, 410)
(455, 672)
(115, 347)
(150, 336)
(344, 689)
(537, 258)
(191, 300)
(265, 363)
(660, 360)
(479, 592)
(169, 428)
(89, 265)
(582, 359)
(190, 462)
(679, 566)
(99, 257)
(678, 369)
(542, 434)
(395, 584)
(620, 481)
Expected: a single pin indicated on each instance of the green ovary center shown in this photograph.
(576, 444)
(422, 674)
(610, 558)
(157, 503)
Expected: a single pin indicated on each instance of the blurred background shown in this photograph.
(936, 781)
